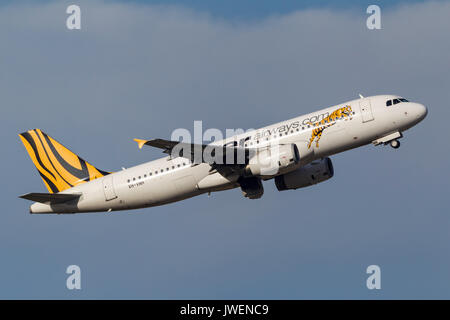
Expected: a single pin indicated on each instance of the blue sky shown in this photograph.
(254, 9)
(245, 10)
(138, 70)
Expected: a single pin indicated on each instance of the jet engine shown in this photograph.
(273, 160)
(308, 175)
(251, 187)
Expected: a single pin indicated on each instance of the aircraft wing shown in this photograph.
(191, 150)
(166, 145)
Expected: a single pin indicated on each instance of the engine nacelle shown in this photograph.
(308, 175)
(273, 160)
(251, 187)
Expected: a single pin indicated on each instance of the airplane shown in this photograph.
(295, 153)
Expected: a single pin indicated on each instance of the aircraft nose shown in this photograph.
(421, 111)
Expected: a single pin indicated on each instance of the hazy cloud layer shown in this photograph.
(142, 71)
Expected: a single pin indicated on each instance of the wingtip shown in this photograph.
(140, 142)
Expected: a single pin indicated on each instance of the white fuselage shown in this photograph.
(168, 180)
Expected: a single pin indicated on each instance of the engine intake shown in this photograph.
(308, 175)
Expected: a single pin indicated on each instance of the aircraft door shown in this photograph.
(366, 110)
(108, 188)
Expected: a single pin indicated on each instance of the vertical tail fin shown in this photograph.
(59, 168)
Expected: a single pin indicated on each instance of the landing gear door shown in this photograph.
(108, 188)
(366, 110)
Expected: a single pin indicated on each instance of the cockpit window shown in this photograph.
(395, 101)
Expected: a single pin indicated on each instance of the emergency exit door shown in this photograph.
(108, 188)
(366, 110)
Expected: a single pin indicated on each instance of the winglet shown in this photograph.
(140, 142)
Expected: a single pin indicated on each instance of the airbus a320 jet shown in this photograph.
(295, 153)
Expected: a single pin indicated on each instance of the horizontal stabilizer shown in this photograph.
(50, 198)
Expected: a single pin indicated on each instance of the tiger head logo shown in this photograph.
(347, 110)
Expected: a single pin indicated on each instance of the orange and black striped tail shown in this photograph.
(60, 168)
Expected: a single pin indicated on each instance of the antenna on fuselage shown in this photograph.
(361, 96)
